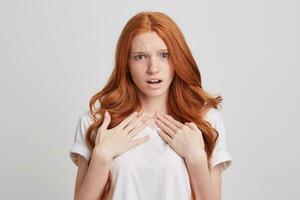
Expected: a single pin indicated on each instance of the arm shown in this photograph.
(109, 143)
(92, 178)
(206, 185)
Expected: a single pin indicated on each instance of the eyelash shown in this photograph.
(137, 56)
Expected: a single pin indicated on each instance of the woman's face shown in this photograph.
(149, 61)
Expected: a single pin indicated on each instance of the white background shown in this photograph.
(55, 55)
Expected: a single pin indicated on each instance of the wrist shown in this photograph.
(102, 155)
(196, 156)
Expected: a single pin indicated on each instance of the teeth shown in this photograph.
(154, 81)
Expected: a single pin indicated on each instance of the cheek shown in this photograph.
(136, 73)
(170, 73)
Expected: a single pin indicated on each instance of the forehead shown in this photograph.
(147, 41)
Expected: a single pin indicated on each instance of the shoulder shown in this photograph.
(86, 117)
(213, 116)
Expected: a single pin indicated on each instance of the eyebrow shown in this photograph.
(135, 52)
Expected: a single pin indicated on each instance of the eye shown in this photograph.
(139, 57)
(165, 55)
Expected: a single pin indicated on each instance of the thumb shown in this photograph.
(189, 125)
(106, 120)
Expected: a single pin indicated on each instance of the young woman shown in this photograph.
(157, 133)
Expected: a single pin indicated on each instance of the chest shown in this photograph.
(151, 159)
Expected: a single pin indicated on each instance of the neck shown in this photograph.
(154, 105)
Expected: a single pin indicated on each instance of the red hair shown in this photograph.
(187, 100)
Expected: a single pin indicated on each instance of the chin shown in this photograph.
(154, 93)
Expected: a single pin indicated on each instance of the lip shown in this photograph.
(154, 79)
(155, 86)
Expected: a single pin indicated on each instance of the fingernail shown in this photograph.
(141, 114)
(106, 114)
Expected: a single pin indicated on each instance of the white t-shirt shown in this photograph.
(152, 170)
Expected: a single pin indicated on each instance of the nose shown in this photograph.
(152, 66)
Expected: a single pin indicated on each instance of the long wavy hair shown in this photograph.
(187, 100)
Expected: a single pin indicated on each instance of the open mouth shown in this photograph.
(154, 81)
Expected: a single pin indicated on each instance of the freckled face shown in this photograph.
(149, 61)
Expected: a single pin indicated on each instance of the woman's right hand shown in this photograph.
(113, 142)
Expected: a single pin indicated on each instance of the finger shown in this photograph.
(98, 135)
(135, 122)
(171, 119)
(138, 141)
(168, 123)
(137, 129)
(106, 120)
(165, 129)
(104, 125)
(125, 122)
(164, 136)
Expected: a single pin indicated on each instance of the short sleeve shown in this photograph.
(220, 153)
(79, 145)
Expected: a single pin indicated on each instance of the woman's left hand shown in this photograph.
(186, 139)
